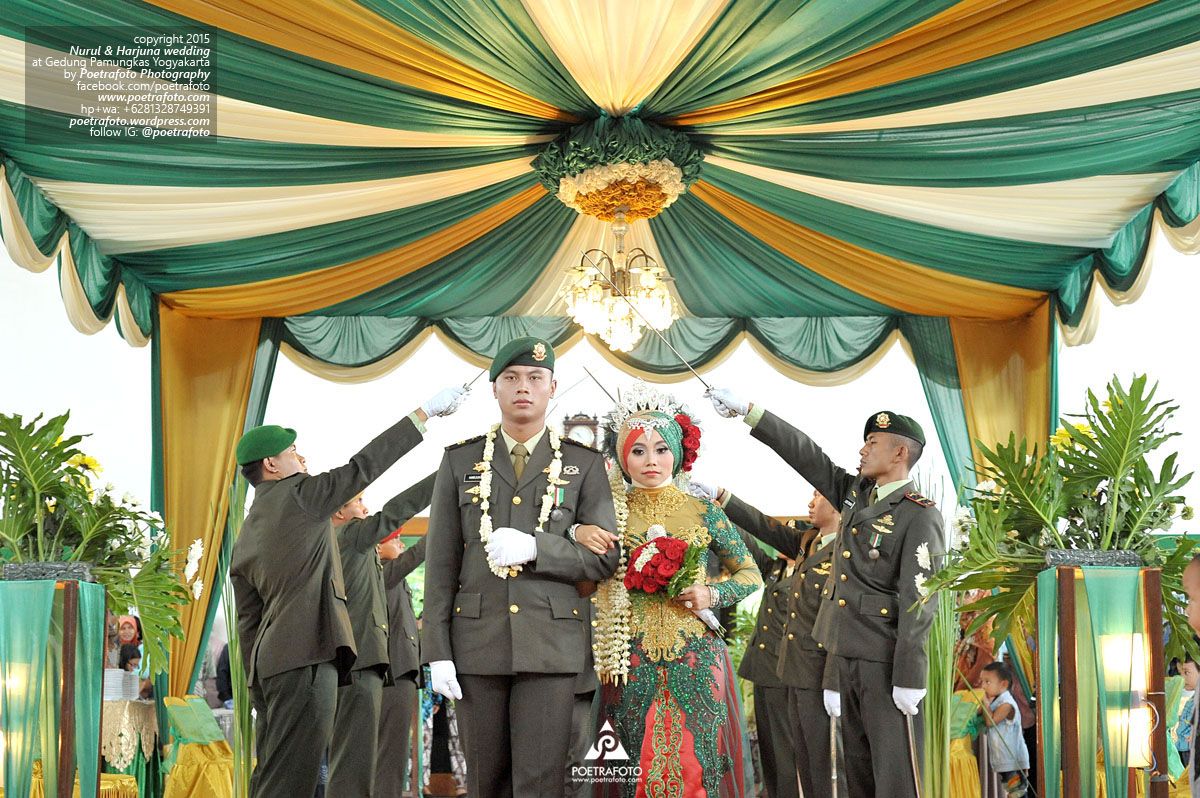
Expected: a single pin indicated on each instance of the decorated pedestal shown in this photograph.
(51, 671)
(1100, 649)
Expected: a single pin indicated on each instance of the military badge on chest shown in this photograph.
(878, 529)
(559, 487)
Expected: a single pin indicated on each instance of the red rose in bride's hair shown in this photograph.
(691, 440)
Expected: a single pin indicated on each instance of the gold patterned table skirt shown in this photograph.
(126, 725)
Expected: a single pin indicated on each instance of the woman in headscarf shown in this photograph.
(669, 688)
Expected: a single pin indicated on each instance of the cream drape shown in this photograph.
(135, 218)
(1085, 212)
(619, 51)
(1177, 69)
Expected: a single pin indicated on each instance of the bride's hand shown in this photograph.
(695, 598)
(595, 539)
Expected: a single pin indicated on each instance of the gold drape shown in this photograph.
(348, 34)
(309, 291)
(908, 287)
(1004, 369)
(205, 373)
(967, 31)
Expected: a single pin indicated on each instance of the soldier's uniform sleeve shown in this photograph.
(805, 457)
(559, 558)
(322, 494)
(249, 617)
(829, 677)
(775, 534)
(395, 571)
(910, 660)
(443, 562)
(757, 552)
(395, 514)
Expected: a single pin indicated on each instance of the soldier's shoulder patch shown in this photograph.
(574, 442)
(918, 499)
(476, 439)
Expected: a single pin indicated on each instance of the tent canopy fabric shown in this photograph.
(373, 159)
(965, 176)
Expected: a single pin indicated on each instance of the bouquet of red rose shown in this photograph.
(667, 564)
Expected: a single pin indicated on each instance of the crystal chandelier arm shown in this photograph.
(651, 327)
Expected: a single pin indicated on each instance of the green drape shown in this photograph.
(1048, 638)
(497, 38)
(47, 147)
(759, 44)
(1153, 134)
(484, 336)
(1151, 29)
(721, 270)
(24, 627)
(485, 277)
(50, 702)
(259, 73)
(932, 348)
(45, 224)
(265, 358)
(89, 685)
(1087, 689)
(1114, 603)
(824, 344)
(350, 340)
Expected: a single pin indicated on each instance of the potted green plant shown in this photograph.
(56, 524)
(1088, 495)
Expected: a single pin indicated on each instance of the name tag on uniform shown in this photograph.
(468, 478)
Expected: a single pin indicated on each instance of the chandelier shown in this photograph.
(617, 296)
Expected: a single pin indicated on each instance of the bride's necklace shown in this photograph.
(484, 467)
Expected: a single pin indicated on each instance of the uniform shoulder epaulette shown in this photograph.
(476, 439)
(920, 500)
(574, 442)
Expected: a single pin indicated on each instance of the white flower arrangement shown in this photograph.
(663, 173)
(920, 580)
(194, 555)
(197, 589)
(484, 467)
(923, 556)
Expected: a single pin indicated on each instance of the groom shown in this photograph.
(505, 629)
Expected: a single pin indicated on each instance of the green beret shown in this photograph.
(265, 441)
(522, 352)
(887, 421)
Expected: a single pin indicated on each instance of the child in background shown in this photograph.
(1007, 754)
(131, 657)
(1182, 733)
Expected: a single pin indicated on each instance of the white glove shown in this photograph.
(508, 546)
(443, 679)
(833, 703)
(704, 490)
(445, 401)
(726, 404)
(906, 699)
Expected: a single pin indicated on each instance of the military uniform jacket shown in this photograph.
(801, 662)
(365, 593)
(534, 622)
(865, 607)
(286, 573)
(404, 649)
(762, 650)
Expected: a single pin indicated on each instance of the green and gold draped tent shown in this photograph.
(965, 176)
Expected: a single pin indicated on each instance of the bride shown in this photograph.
(669, 689)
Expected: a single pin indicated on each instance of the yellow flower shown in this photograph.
(86, 462)
(1062, 438)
